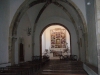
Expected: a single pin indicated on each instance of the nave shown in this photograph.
(44, 66)
(25, 68)
(63, 67)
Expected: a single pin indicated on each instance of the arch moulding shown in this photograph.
(53, 24)
(22, 9)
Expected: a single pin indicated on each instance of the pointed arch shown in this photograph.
(14, 24)
(28, 4)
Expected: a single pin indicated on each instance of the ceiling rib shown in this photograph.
(21, 12)
(40, 13)
(66, 11)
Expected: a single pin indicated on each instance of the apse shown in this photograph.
(55, 40)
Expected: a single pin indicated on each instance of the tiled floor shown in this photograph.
(61, 67)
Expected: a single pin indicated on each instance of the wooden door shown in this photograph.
(21, 53)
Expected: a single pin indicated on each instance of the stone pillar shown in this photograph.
(98, 31)
(13, 50)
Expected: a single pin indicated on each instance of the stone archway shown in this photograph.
(53, 24)
(19, 13)
(97, 9)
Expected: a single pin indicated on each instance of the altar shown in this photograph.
(57, 53)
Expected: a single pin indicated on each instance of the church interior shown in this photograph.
(50, 37)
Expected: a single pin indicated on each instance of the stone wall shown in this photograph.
(92, 44)
(98, 31)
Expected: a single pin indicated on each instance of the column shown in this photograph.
(98, 31)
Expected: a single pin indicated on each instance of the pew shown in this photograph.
(15, 71)
(25, 68)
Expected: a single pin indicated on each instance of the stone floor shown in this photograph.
(61, 67)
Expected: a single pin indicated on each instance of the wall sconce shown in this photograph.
(28, 31)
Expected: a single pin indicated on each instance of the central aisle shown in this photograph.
(61, 67)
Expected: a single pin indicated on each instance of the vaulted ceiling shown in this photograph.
(40, 10)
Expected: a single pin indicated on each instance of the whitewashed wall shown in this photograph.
(4, 31)
(9, 7)
(92, 54)
(67, 24)
(81, 5)
(14, 5)
(27, 40)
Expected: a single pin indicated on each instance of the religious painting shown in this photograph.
(53, 36)
(62, 35)
(58, 38)
(56, 46)
(57, 35)
(63, 41)
(58, 41)
(53, 41)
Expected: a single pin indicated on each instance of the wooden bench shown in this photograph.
(25, 68)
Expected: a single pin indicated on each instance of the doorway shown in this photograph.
(55, 41)
(21, 50)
